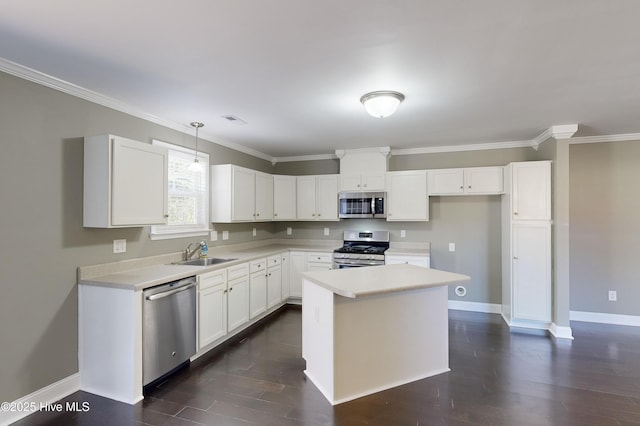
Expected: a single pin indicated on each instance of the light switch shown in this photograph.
(326, 232)
(214, 235)
(119, 246)
(452, 246)
(225, 235)
(254, 232)
(403, 233)
(289, 230)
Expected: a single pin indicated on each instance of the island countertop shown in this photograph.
(358, 282)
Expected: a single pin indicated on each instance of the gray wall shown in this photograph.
(605, 229)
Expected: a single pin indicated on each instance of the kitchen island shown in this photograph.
(365, 330)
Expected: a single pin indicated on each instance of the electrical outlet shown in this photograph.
(255, 232)
(326, 232)
(403, 233)
(119, 246)
(289, 230)
(225, 235)
(613, 295)
(214, 236)
(452, 246)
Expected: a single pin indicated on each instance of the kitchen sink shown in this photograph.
(207, 261)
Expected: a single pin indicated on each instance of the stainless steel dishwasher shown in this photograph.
(168, 327)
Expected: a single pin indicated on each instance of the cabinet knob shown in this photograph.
(225, 292)
(257, 214)
(275, 214)
(166, 216)
(515, 213)
(231, 289)
(515, 257)
(358, 185)
(469, 186)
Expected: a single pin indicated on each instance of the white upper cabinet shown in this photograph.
(125, 183)
(469, 181)
(362, 182)
(407, 198)
(284, 197)
(317, 197)
(531, 190)
(264, 197)
(239, 194)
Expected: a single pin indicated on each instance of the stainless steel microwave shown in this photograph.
(353, 205)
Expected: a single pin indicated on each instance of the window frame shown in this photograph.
(163, 232)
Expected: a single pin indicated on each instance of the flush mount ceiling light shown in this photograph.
(382, 103)
(195, 166)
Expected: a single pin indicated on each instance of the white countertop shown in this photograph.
(358, 282)
(126, 276)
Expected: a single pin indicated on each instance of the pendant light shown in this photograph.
(195, 166)
(382, 103)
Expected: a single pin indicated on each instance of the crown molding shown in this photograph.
(384, 150)
(458, 148)
(60, 85)
(606, 138)
(304, 158)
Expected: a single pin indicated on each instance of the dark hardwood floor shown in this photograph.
(498, 377)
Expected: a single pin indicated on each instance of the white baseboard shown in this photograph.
(42, 397)
(615, 319)
(489, 308)
(560, 332)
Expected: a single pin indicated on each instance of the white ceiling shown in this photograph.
(472, 71)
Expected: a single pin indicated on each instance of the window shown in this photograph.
(188, 194)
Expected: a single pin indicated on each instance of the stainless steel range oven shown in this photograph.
(361, 248)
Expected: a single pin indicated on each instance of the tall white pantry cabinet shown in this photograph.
(526, 244)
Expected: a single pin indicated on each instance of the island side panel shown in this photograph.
(388, 340)
(317, 336)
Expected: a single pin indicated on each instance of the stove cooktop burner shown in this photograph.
(364, 249)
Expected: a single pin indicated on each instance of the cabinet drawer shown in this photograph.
(274, 260)
(211, 279)
(238, 271)
(257, 265)
(320, 257)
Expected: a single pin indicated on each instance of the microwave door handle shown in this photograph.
(373, 206)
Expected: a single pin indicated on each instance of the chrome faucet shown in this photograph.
(188, 252)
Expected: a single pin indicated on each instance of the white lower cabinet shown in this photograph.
(299, 262)
(212, 307)
(257, 288)
(408, 259)
(274, 281)
(238, 298)
(223, 303)
(286, 276)
(531, 272)
(297, 265)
